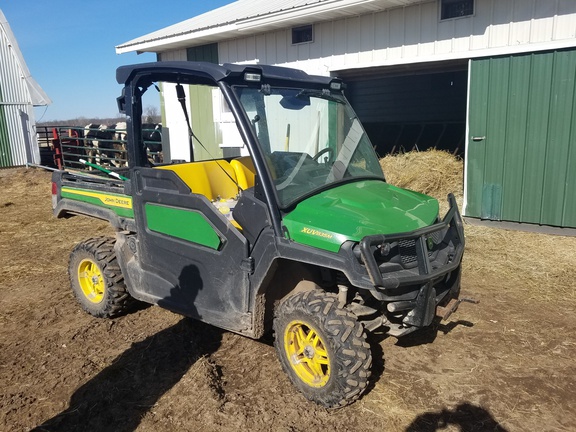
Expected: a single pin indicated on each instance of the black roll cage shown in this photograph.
(138, 78)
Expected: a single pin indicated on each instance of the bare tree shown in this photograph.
(151, 114)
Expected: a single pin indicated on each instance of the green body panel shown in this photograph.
(525, 168)
(118, 203)
(184, 224)
(355, 210)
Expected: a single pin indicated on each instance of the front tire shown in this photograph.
(322, 348)
(96, 278)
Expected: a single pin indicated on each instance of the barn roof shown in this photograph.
(252, 16)
(12, 63)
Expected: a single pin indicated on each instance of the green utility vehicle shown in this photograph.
(297, 234)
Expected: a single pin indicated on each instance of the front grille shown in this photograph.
(407, 249)
(437, 236)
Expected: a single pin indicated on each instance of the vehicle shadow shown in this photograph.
(119, 396)
(466, 416)
(421, 337)
(428, 335)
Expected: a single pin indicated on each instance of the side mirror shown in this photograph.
(121, 101)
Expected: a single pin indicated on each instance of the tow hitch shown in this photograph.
(444, 312)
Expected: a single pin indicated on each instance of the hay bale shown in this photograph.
(432, 172)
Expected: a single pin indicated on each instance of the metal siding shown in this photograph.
(524, 171)
(412, 28)
(521, 22)
(564, 27)
(569, 214)
(353, 35)
(18, 144)
(282, 42)
(202, 120)
(397, 33)
(381, 37)
(428, 27)
(176, 55)
(367, 32)
(270, 49)
(514, 157)
(496, 139)
(207, 53)
(480, 24)
(476, 151)
(462, 32)
(260, 45)
(415, 34)
(499, 30)
(5, 150)
(556, 169)
(537, 124)
(543, 28)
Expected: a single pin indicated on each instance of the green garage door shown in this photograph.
(521, 156)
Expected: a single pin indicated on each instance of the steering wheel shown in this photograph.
(321, 152)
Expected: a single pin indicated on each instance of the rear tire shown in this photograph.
(96, 278)
(322, 348)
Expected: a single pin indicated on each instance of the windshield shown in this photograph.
(311, 140)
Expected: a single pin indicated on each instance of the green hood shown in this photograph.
(355, 210)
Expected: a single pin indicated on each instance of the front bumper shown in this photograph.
(412, 273)
(415, 257)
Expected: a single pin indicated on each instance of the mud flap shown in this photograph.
(425, 311)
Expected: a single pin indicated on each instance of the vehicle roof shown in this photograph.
(189, 71)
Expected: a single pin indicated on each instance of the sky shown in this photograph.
(68, 45)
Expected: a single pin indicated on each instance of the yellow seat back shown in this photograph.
(194, 175)
(245, 171)
(212, 179)
(222, 178)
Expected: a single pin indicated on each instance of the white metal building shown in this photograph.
(19, 94)
(444, 73)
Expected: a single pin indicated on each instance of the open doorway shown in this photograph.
(417, 106)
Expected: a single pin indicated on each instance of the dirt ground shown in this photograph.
(506, 364)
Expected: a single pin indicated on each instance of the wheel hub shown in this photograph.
(91, 281)
(307, 353)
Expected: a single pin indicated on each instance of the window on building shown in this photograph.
(206, 53)
(456, 8)
(302, 34)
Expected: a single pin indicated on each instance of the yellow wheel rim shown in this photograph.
(91, 281)
(307, 354)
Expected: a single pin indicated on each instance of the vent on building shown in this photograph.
(302, 34)
(456, 8)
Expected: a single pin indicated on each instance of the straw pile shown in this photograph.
(433, 172)
(543, 265)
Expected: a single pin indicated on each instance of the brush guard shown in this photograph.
(437, 250)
